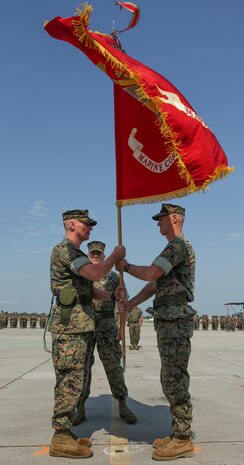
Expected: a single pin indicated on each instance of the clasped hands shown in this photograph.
(123, 306)
(120, 264)
(120, 292)
(122, 302)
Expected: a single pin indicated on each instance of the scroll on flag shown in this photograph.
(164, 149)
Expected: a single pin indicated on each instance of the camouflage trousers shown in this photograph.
(72, 359)
(109, 350)
(134, 331)
(174, 349)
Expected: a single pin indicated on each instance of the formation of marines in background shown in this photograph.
(215, 322)
(22, 320)
(35, 320)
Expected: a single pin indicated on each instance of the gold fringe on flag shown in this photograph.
(173, 146)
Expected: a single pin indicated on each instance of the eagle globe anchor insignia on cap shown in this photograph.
(97, 246)
(168, 208)
(80, 215)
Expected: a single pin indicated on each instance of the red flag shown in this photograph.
(134, 9)
(163, 148)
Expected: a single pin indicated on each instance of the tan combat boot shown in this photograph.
(82, 441)
(65, 445)
(175, 449)
(79, 416)
(161, 442)
(126, 413)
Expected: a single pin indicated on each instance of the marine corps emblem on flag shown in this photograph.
(163, 147)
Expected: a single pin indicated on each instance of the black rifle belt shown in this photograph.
(170, 300)
(103, 314)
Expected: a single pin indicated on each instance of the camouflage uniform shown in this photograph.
(43, 320)
(196, 321)
(108, 347)
(117, 315)
(174, 322)
(134, 318)
(215, 322)
(33, 320)
(1, 319)
(6, 318)
(240, 323)
(72, 327)
(205, 322)
(25, 320)
(13, 320)
(21, 317)
(230, 323)
(222, 322)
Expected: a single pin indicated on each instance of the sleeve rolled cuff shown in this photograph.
(78, 263)
(163, 264)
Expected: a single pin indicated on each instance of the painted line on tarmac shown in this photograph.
(223, 359)
(24, 374)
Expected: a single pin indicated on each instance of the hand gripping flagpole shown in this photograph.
(121, 282)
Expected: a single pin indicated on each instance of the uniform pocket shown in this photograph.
(66, 353)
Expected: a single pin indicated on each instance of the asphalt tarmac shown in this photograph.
(217, 391)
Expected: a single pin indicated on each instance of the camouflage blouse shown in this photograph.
(134, 315)
(108, 283)
(66, 259)
(177, 260)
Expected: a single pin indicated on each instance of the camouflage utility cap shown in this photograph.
(80, 215)
(168, 208)
(97, 246)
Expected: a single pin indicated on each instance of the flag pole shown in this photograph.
(121, 282)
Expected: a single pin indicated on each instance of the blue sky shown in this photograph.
(57, 141)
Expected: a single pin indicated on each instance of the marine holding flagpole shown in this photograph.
(72, 326)
(171, 277)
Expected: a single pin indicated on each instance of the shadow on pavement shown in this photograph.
(152, 421)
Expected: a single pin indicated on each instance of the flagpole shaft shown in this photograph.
(121, 281)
